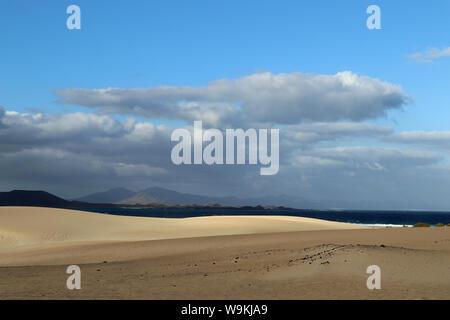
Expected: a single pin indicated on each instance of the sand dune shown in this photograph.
(21, 226)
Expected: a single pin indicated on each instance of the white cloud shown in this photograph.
(429, 55)
(262, 98)
(434, 139)
(371, 158)
(304, 134)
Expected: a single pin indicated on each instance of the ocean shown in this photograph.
(363, 217)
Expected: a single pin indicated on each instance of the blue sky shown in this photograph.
(148, 43)
(189, 44)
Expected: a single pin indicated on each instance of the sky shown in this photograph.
(363, 114)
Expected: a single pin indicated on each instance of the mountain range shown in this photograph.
(123, 198)
(155, 196)
(165, 196)
(120, 197)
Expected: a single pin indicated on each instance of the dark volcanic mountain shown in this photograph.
(32, 199)
(25, 198)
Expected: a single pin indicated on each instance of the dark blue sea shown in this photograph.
(386, 218)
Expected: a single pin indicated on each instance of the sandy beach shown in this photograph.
(218, 257)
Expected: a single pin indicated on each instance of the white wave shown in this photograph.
(384, 225)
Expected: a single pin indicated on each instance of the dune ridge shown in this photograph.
(21, 226)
